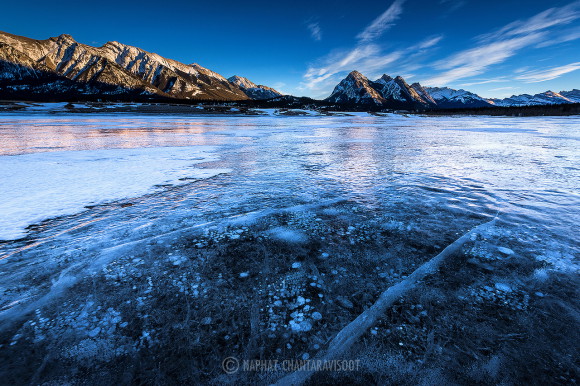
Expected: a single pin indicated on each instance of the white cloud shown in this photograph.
(500, 45)
(279, 86)
(548, 74)
(369, 59)
(521, 69)
(564, 37)
(315, 31)
(542, 21)
(428, 43)
(453, 4)
(477, 60)
(366, 56)
(503, 88)
(382, 23)
(484, 81)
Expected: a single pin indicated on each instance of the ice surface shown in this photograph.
(454, 165)
(315, 209)
(39, 186)
(288, 235)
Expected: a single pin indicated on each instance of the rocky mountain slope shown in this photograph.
(398, 90)
(572, 95)
(385, 91)
(446, 97)
(423, 93)
(545, 98)
(60, 67)
(123, 67)
(356, 89)
(252, 90)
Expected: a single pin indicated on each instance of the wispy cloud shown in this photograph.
(477, 60)
(452, 5)
(500, 45)
(315, 31)
(503, 88)
(484, 81)
(521, 69)
(382, 23)
(279, 86)
(542, 21)
(370, 59)
(548, 74)
(366, 56)
(428, 43)
(562, 37)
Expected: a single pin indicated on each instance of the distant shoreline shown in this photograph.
(266, 108)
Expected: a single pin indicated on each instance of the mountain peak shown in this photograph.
(253, 90)
(355, 88)
(450, 98)
(423, 94)
(113, 43)
(64, 38)
(385, 78)
(545, 98)
(242, 82)
(385, 91)
(356, 75)
(398, 91)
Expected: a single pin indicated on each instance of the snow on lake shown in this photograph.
(39, 186)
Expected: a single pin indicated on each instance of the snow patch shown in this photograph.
(288, 235)
(40, 186)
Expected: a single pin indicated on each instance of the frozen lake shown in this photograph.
(527, 168)
(80, 193)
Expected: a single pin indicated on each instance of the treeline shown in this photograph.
(523, 111)
(53, 88)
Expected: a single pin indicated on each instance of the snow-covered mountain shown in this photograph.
(114, 66)
(389, 92)
(545, 98)
(398, 90)
(356, 89)
(252, 90)
(423, 93)
(572, 95)
(60, 67)
(446, 97)
(385, 91)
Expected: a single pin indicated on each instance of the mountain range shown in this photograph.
(545, 98)
(60, 67)
(356, 89)
(253, 90)
(385, 91)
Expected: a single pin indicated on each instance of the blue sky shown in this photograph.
(495, 48)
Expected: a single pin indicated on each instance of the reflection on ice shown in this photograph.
(456, 165)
